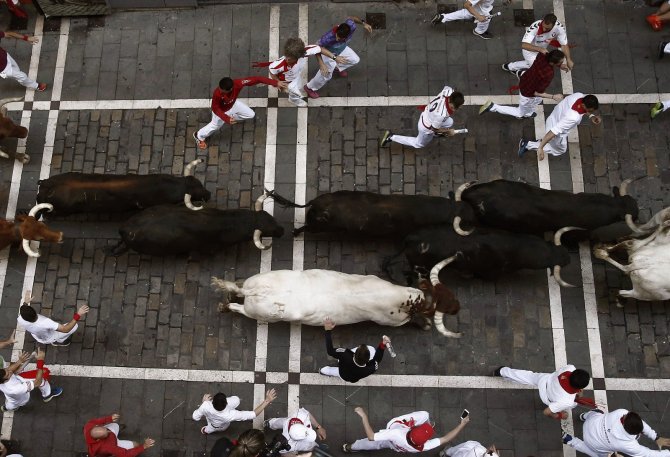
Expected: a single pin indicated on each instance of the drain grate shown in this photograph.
(376, 20)
(59, 8)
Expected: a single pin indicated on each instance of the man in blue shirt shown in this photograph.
(336, 41)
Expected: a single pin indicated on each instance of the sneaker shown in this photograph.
(486, 107)
(484, 36)
(346, 448)
(530, 117)
(311, 93)
(55, 392)
(3, 409)
(341, 73)
(67, 342)
(41, 87)
(386, 139)
(661, 49)
(505, 67)
(266, 423)
(437, 19)
(202, 430)
(519, 73)
(566, 437)
(654, 22)
(656, 110)
(300, 103)
(523, 147)
(496, 372)
(198, 142)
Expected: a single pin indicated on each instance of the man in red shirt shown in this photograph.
(532, 85)
(102, 439)
(226, 108)
(10, 69)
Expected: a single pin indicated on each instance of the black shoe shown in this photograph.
(519, 73)
(67, 342)
(505, 67)
(484, 36)
(496, 372)
(386, 139)
(661, 49)
(523, 147)
(486, 107)
(437, 19)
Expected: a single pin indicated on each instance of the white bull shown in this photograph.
(310, 296)
(648, 264)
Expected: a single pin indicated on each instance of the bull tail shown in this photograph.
(226, 286)
(284, 201)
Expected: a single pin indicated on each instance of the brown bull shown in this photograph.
(8, 129)
(27, 228)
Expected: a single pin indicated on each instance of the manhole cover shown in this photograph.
(523, 18)
(376, 20)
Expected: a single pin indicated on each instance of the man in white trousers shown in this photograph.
(566, 116)
(407, 433)
(10, 69)
(536, 40)
(470, 449)
(616, 431)
(336, 42)
(45, 330)
(300, 430)
(558, 390)
(434, 120)
(220, 411)
(17, 384)
(479, 10)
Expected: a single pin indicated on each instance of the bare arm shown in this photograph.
(454, 433)
(556, 97)
(269, 397)
(549, 413)
(357, 20)
(568, 59)
(366, 423)
(540, 155)
(64, 328)
(471, 9)
(320, 430)
(20, 36)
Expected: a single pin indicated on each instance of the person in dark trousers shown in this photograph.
(353, 364)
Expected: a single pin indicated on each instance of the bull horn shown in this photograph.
(559, 234)
(435, 272)
(633, 226)
(28, 250)
(438, 319)
(459, 230)
(4, 101)
(187, 197)
(559, 280)
(258, 206)
(461, 188)
(40, 206)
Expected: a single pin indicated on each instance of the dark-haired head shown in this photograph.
(226, 84)
(579, 378)
(550, 19)
(632, 423)
(343, 31)
(362, 355)
(456, 99)
(28, 313)
(591, 102)
(219, 401)
(555, 56)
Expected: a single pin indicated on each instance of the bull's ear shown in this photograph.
(615, 191)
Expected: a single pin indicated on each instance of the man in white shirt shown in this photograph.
(558, 390)
(300, 430)
(566, 116)
(470, 449)
(17, 387)
(408, 433)
(536, 40)
(45, 330)
(616, 431)
(479, 10)
(434, 120)
(220, 411)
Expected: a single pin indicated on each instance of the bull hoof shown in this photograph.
(224, 307)
(600, 252)
(25, 159)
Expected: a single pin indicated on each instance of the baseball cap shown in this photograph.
(299, 432)
(420, 434)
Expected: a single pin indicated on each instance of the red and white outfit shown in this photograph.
(293, 74)
(394, 436)
(17, 390)
(10, 69)
(226, 106)
(467, 449)
(305, 438)
(537, 36)
(604, 434)
(45, 330)
(552, 386)
(111, 445)
(565, 117)
(436, 115)
(483, 7)
(218, 421)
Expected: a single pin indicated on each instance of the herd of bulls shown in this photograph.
(484, 229)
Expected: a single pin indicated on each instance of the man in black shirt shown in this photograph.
(353, 364)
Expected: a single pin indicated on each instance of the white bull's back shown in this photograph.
(312, 295)
(650, 272)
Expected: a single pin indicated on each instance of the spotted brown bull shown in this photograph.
(26, 228)
(8, 129)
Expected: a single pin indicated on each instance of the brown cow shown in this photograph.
(26, 228)
(8, 129)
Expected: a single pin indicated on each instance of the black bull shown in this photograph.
(172, 230)
(71, 193)
(366, 214)
(487, 253)
(521, 207)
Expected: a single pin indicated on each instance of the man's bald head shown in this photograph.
(99, 432)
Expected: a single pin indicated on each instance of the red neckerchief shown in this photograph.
(564, 380)
(446, 103)
(579, 106)
(294, 421)
(540, 29)
(415, 446)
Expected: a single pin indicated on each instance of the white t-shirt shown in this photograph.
(288, 72)
(564, 118)
(43, 329)
(467, 449)
(556, 33)
(17, 388)
(604, 433)
(552, 394)
(301, 445)
(222, 419)
(436, 114)
(483, 7)
(396, 432)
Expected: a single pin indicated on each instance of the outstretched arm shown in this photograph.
(454, 433)
(366, 423)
